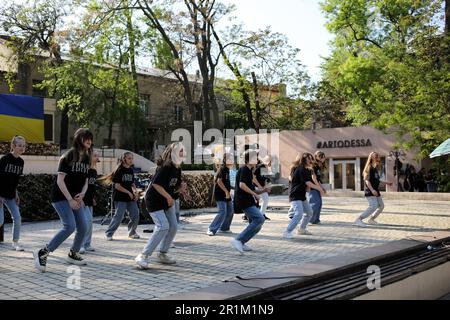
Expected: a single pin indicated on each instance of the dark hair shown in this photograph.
(223, 165)
(319, 155)
(249, 154)
(77, 153)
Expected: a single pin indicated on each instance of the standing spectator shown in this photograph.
(421, 184)
(430, 180)
(412, 179)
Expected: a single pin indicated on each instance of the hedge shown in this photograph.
(35, 149)
(35, 189)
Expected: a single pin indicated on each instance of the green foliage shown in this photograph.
(390, 63)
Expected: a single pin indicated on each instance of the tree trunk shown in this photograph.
(239, 78)
(183, 79)
(447, 17)
(257, 104)
(132, 41)
(64, 129)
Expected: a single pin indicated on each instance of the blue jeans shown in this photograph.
(71, 220)
(302, 213)
(89, 218)
(315, 200)
(177, 209)
(223, 218)
(132, 209)
(165, 230)
(15, 214)
(256, 221)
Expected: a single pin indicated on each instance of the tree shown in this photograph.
(264, 65)
(35, 28)
(390, 61)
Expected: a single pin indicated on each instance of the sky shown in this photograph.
(301, 20)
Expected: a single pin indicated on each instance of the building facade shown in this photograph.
(347, 150)
(161, 100)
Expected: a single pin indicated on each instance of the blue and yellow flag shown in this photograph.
(21, 115)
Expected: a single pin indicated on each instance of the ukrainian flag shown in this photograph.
(21, 115)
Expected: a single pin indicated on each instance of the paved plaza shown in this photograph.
(202, 260)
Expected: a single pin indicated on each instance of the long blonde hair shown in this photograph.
(15, 140)
(93, 160)
(108, 179)
(371, 162)
(300, 160)
(166, 157)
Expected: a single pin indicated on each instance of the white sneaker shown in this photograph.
(237, 245)
(90, 249)
(246, 248)
(165, 259)
(303, 232)
(372, 221)
(134, 236)
(16, 246)
(82, 251)
(210, 233)
(287, 235)
(142, 261)
(358, 222)
(109, 238)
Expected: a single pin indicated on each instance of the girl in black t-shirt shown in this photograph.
(224, 203)
(90, 202)
(125, 196)
(245, 200)
(67, 198)
(159, 200)
(372, 182)
(300, 180)
(11, 168)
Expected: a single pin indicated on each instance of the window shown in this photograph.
(48, 127)
(178, 111)
(108, 143)
(42, 93)
(144, 105)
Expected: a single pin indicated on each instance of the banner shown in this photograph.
(21, 115)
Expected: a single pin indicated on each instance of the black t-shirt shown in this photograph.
(224, 175)
(168, 177)
(11, 168)
(262, 180)
(90, 193)
(244, 199)
(76, 175)
(374, 178)
(300, 177)
(125, 177)
(318, 173)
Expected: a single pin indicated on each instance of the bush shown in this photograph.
(36, 149)
(35, 190)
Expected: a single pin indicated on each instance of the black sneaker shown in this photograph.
(40, 259)
(75, 258)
